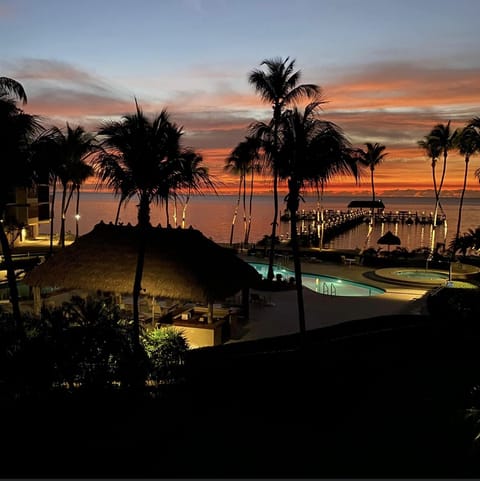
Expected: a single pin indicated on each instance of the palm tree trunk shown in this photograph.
(435, 211)
(175, 210)
(293, 204)
(184, 211)
(247, 237)
(117, 216)
(274, 225)
(61, 240)
(244, 206)
(373, 184)
(12, 281)
(143, 223)
(64, 216)
(77, 214)
(277, 112)
(460, 207)
(167, 216)
(52, 213)
(235, 212)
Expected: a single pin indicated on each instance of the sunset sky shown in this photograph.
(390, 69)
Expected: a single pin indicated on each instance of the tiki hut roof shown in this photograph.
(179, 264)
(377, 204)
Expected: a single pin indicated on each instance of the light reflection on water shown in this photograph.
(213, 216)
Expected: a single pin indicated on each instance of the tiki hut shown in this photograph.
(180, 264)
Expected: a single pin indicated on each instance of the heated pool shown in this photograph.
(328, 285)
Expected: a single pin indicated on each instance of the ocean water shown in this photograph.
(213, 215)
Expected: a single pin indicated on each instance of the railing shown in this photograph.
(332, 291)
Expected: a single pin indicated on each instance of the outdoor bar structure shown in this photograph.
(186, 277)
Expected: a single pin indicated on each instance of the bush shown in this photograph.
(455, 303)
(166, 348)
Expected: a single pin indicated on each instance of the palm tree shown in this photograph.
(240, 161)
(469, 240)
(47, 158)
(475, 123)
(16, 133)
(13, 89)
(80, 173)
(373, 156)
(310, 149)
(438, 142)
(195, 177)
(370, 158)
(72, 148)
(468, 143)
(278, 85)
(133, 162)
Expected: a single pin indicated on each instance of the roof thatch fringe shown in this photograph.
(179, 264)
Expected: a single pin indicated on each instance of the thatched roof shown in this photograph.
(389, 239)
(377, 204)
(179, 264)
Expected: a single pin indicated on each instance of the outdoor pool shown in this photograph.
(331, 286)
(422, 275)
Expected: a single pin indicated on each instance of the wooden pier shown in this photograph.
(337, 222)
(335, 217)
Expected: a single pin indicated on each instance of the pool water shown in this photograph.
(422, 275)
(328, 285)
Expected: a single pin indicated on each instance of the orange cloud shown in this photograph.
(395, 104)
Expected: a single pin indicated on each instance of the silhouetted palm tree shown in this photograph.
(133, 163)
(468, 144)
(17, 130)
(438, 142)
(475, 123)
(194, 177)
(373, 156)
(73, 147)
(278, 85)
(243, 159)
(80, 173)
(48, 159)
(310, 149)
(13, 89)
(469, 240)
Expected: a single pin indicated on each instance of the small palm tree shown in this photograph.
(468, 144)
(374, 155)
(242, 159)
(67, 152)
(439, 141)
(194, 177)
(47, 157)
(279, 86)
(80, 173)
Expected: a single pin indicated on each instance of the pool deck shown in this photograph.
(279, 315)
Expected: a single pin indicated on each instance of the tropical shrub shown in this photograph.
(166, 348)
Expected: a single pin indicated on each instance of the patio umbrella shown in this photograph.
(389, 239)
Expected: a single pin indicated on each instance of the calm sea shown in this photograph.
(212, 215)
